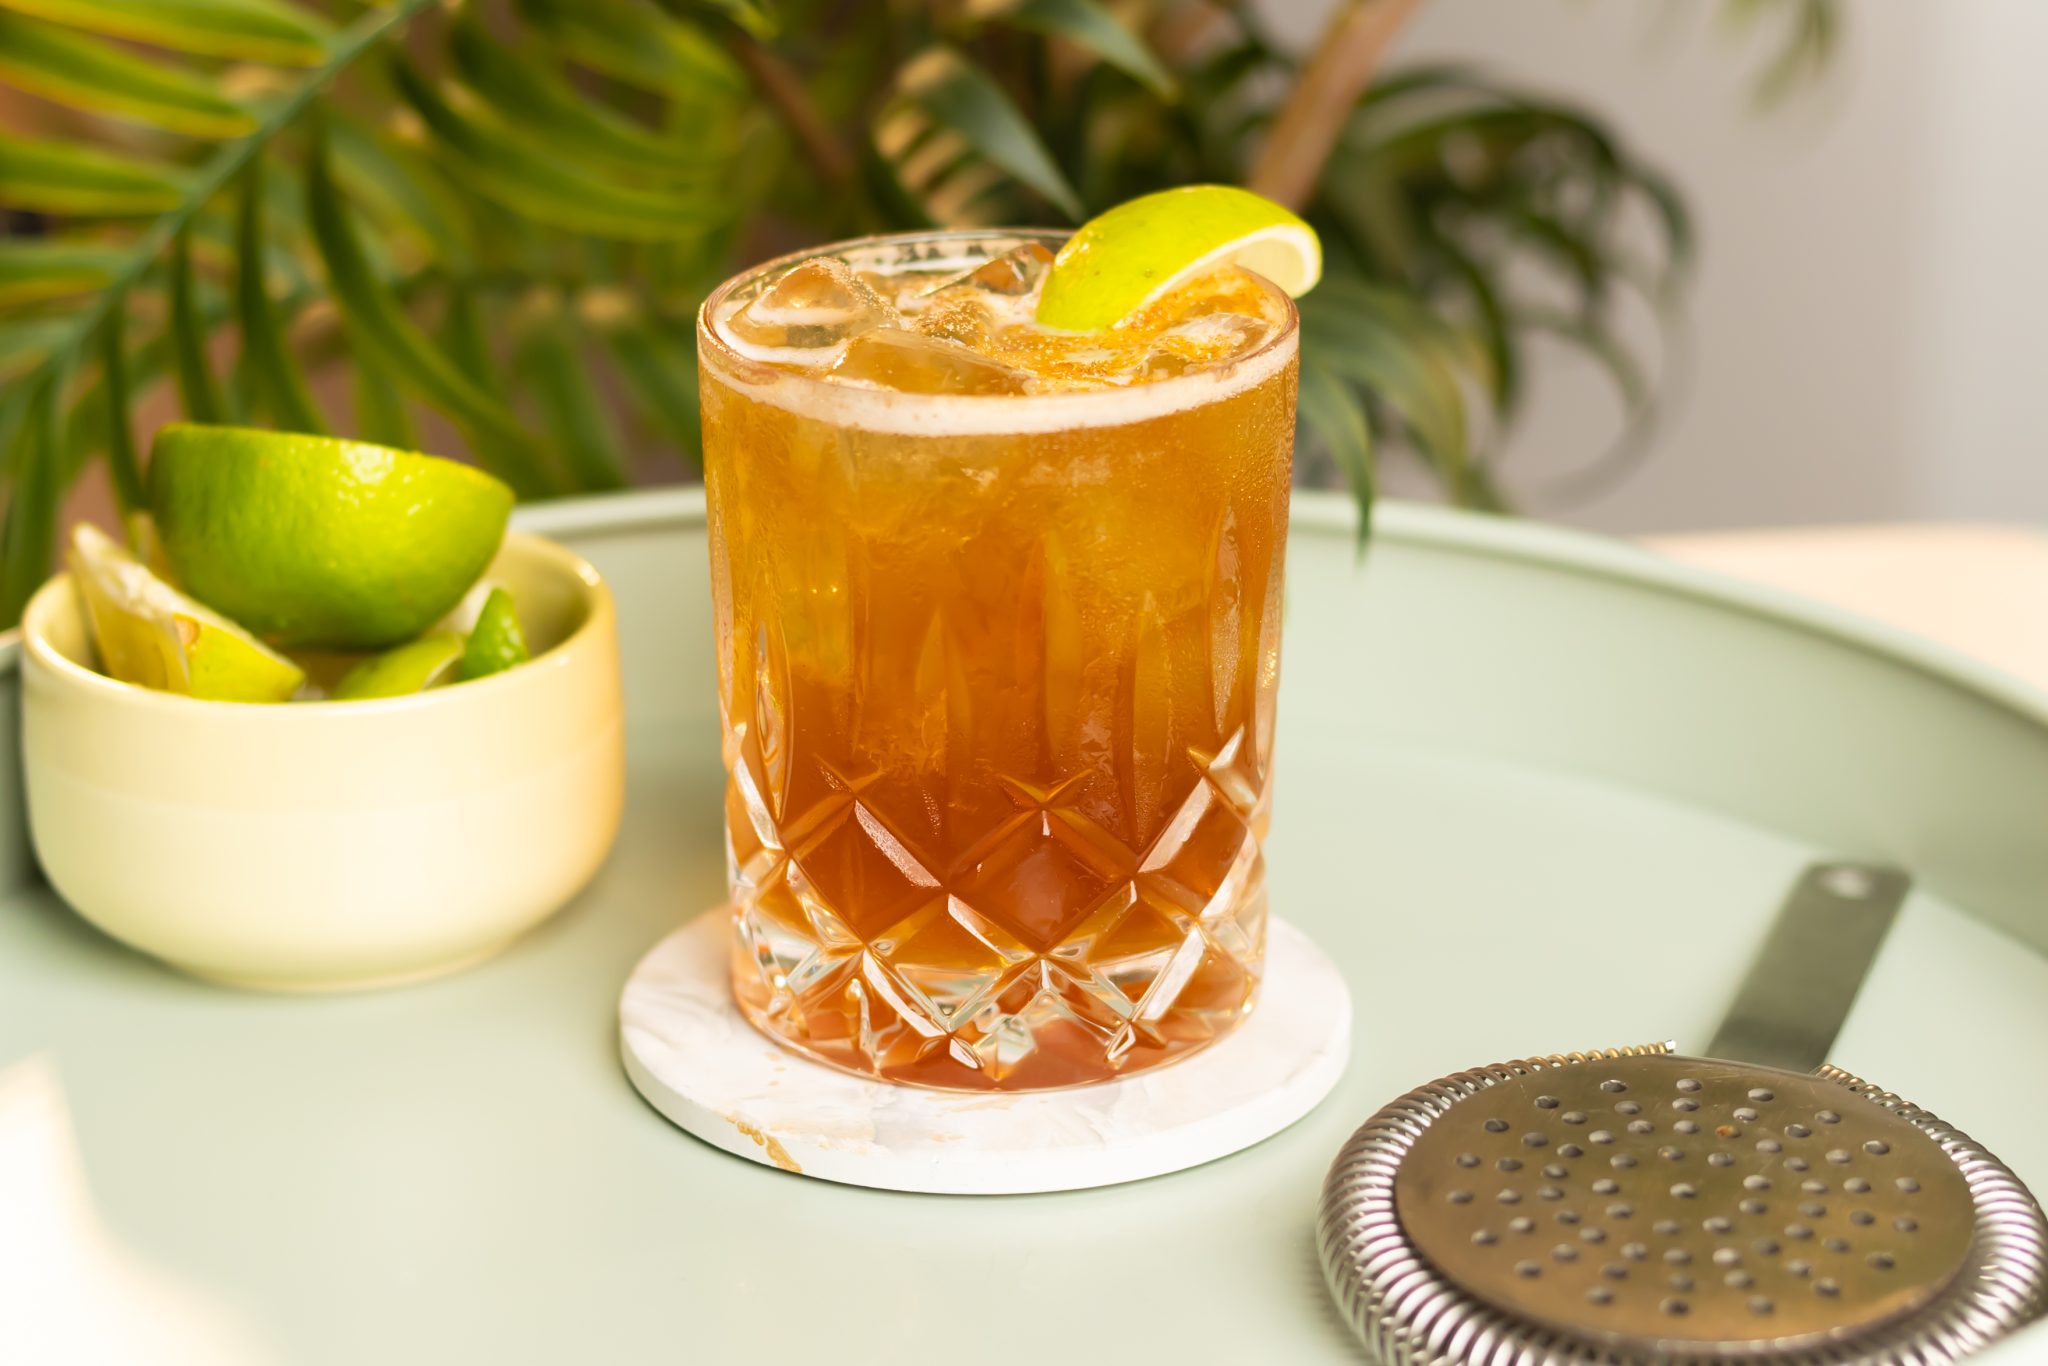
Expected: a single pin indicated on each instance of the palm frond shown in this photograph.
(88, 73)
(504, 213)
(953, 133)
(1807, 31)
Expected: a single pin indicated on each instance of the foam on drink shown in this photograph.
(953, 332)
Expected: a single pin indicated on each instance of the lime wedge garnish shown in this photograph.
(413, 667)
(149, 633)
(496, 643)
(315, 542)
(1139, 250)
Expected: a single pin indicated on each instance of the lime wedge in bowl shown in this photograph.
(1122, 260)
(412, 668)
(317, 542)
(150, 634)
(496, 643)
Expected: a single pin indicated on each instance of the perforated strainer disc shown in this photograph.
(1635, 1205)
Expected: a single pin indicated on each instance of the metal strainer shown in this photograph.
(1632, 1205)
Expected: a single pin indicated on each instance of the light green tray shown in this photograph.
(1536, 793)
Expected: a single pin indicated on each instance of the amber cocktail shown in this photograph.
(998, 640)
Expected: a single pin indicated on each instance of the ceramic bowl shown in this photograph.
(331, 845)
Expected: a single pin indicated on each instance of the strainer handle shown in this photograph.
(1800, 986)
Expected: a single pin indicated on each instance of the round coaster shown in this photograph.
(697, 1060)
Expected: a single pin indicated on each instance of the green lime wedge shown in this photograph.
(413, 667)
(1124, 259)
(316, 542)
(496, 643)
(148, 633)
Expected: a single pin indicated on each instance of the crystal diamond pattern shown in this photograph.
(1062, 942)
(1054, 938)
(907, 910)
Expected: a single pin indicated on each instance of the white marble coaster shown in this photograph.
(697, 1060)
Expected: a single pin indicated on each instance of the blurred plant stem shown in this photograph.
(1353, 47)
(780, 85)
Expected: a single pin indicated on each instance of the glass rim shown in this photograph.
(1087, 407)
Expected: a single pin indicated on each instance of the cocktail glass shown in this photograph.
(997, 676)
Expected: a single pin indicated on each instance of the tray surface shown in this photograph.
(1535, 794)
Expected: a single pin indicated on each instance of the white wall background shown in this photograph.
(1868, 324)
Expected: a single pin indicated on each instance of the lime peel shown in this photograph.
(414, 667)
(496, 643)
(317, 542)
(148, 633)
(1117, 263)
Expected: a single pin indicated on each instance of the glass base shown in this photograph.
(1046, 1023)
(688, 1051)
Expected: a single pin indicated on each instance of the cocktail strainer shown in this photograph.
(1633, 1205)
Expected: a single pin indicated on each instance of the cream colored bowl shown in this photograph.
(331, 845)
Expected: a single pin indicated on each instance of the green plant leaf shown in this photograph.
(91, 429)
(1430, 77)
(258, 30)
(916, 159)
(219, 167)
(26, 342)
(37, 461)
(1373, 208)
(121, 463)
(1412, 382)
(526, 94)
(510, 170)
(551, 364)
(33, 268)
(963, 99)
(1220, 103)
(1672, 216)
(401, 189)
(73, 178)
(757, 18)
(1481, 139)
(271, 376)
(196, 388)
(661, 376)
(381, 414)
(216, 237)
(1496, 330)
(638, 44)
(1573, 250)
(1631, 386)
(375, 321)
(462, 336)
(86, 73)
(1409, 361)
(1338, 420)
(17, 406)
(1804, 48)
(1088, 25)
